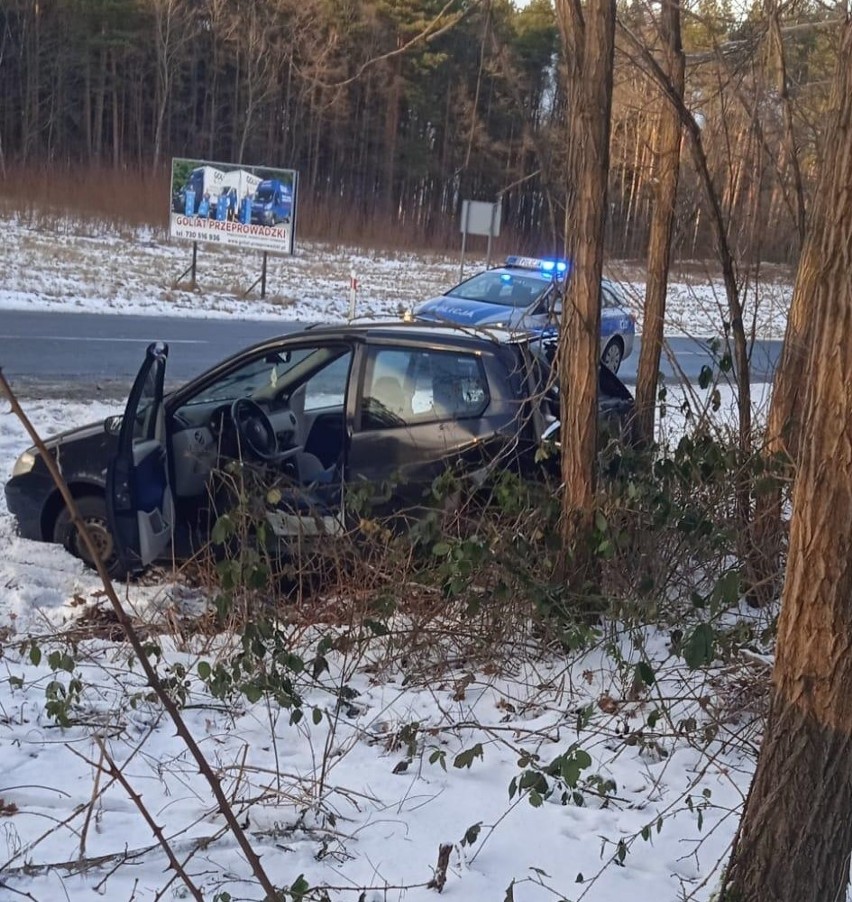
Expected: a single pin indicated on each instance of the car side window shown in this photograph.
(327, 387)
(406, 387)
(321, 372)
(144, 424)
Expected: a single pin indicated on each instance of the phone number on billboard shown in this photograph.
(189, 228)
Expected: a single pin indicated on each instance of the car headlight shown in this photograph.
(24, 463)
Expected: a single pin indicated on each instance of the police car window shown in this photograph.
(609, 298)
(406, 387)
(505, 288)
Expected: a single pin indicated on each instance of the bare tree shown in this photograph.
(258, 36)
(667, 165)
(588, 33)
(795, 839)
(175, 25)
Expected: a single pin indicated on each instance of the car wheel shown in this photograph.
(93, 513)
(613, 354)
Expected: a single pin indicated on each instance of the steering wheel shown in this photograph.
(254, 428)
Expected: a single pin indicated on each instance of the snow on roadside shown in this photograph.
(387, 819)
(41, 585)
(358, 799)
(61, 269)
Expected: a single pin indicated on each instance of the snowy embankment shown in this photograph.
(357, 796)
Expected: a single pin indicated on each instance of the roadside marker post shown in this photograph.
(353, 292)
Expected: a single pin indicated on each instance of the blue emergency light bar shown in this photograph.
(551, 267)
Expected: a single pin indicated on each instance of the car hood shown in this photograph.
(448, 308)
(90, 430)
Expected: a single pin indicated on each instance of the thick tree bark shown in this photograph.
(589, 35)
(787, 408)
(795, 838)
(667, 166)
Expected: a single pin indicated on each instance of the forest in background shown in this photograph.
(393, 111)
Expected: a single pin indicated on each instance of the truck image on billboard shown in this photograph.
(242, 206)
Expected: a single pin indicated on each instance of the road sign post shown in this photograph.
(479, 218)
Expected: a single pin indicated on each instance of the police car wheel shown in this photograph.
(612, 355)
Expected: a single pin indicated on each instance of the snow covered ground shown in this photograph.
(356, 797)
(358, 800)
(59, 266)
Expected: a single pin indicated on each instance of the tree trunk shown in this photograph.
(787, 408)
(791, 146)
(667, 165)
(734, 327)
(796, 834)
(589, 36)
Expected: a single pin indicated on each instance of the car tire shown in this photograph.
(613, 354)
(93, 512)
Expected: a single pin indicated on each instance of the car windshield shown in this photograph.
(256, 378)
(264, 195)
(508, 289)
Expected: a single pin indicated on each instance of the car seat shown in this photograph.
(311, 470)
(446, 399)
(387, 392)
(521, 295)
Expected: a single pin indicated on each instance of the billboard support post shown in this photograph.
(260, 280)
(191, 269)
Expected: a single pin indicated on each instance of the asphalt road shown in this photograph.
(97, 355)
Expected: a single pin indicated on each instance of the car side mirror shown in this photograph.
(551, 433)
(112, 425)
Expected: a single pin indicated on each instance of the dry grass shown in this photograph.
(121, 199)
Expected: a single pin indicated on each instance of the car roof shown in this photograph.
(418, 330)
(368, 330)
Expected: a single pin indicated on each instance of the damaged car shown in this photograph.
(324, 412)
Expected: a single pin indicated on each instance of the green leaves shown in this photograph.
(222, 530)
(472, 834)
(572, 765)
(467, 757)
(564, 773)
(439, 756)
(698, 649)
(645, 673)
(60, 660)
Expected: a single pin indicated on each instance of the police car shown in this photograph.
(526, 294)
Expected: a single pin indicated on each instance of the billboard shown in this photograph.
(242, 206)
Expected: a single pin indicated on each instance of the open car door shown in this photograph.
(139, 498)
